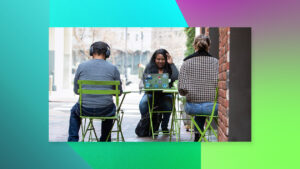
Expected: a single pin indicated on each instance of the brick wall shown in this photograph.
(223, 98)
(206, 31)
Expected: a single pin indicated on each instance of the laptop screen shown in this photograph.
(156, 81)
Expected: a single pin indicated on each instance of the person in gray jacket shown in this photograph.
(198, 80)
(97, 69)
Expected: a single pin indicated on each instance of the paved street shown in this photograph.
(59, 114)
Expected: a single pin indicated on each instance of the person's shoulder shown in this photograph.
(148, 66)
(211, 59)
(203, 60)
(83, 64)
(112, 66)
(87, 62)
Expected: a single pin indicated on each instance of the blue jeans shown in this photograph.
(164, 103)
(204, 108)
(75, 120)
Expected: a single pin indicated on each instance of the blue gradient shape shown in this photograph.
(115, 13)
(24, 91)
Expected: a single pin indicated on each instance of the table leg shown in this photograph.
(151, 113)
(173, 115)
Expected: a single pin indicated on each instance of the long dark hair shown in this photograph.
(152, 65)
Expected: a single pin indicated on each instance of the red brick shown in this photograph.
(221, 136)
(222, 109)
(224, 118)
(221, 117)
(227, 29)
(221, 112)
(222, 59)
(223, 66)
(220, 54)
(226, 47)
(226, 121)
(222, 93)
(223, 128)
(223, 102)
(222, 49)
(222, 85)
(222, 76)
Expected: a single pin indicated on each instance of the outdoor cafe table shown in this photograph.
(172, 91)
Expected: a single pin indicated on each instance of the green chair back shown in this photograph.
(82, 91)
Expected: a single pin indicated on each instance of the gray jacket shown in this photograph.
(98, 70)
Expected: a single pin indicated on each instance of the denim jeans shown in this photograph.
(204, 108)
(75, 120)
(164, 103)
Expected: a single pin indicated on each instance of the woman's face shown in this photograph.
(160, 61)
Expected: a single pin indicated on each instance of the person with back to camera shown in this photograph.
(198, 80)
(97, 69)
(161, 62)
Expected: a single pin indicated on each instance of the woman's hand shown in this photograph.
(169, 59)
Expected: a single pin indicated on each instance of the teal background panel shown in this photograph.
(24, 86)
(24, 91)
(115, 13)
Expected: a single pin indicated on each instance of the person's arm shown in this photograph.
(76, 78)
(182, 80)
(118, 78)
(146, 71)
(175, 72)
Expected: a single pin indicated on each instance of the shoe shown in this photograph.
(165, 130)
(187, 127)
(197, 137)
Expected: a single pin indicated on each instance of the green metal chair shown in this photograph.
(116, 119)
(209, 119)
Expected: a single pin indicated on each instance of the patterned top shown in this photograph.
(198, 78)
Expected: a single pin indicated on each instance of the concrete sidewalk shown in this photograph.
(60, 104)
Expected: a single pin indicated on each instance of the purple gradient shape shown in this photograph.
(252, 13)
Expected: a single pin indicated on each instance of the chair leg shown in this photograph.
(212, 129)
(172, 125)
(84, 129)
(122, 112)
(120, 130)
(93, 128)
(83, 126)
(204, 131)
(192, 128)
(198, 128)
(110, 131)
(90, 128)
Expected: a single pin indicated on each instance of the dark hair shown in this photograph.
(152, 64)
(99, 48)
(99, 51)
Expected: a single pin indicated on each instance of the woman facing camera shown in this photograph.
(198, 80)
(161, 62)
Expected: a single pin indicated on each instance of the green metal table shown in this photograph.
(173, 91)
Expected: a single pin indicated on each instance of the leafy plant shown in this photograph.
(190, 33)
